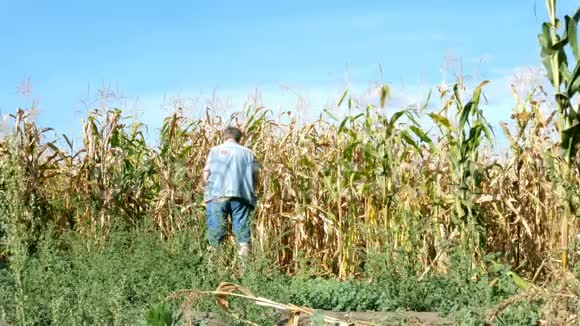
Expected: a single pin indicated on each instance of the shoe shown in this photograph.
(244, 250)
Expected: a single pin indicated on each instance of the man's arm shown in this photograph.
(255, 177)
(255, 170)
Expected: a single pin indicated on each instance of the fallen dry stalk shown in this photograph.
(224, 290)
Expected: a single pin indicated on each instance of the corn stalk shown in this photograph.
(465, 140)
(566, 85)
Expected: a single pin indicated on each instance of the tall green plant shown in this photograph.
(373, 150)
(30, 164)
(115, 174)
(27, 165)
(173, 199)
(465, 143)
(566, 85)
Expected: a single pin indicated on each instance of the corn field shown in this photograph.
(331, 191)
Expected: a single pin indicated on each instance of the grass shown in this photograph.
(70, 281)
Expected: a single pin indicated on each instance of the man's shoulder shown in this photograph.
(238, 147)
(213, 148)
(222, 149)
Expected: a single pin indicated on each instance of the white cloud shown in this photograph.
(518, 81)
(307, 102)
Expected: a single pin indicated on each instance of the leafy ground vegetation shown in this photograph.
(366, 211)
(131, 275)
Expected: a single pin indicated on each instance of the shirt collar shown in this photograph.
(230, 141)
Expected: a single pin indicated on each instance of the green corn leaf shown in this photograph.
(570, 138)
(409, 140)
(547, 62)
(488, 131)
(347, 153)
(343, 125)
(353, 133)
(426, 103)
(478, 90)
(358, 116)
(396, 116)
(342, 97)
(368, 123)
(385, 92)
(545, 40)
(332, 116)
(560, 44)
(474, 139)
(463, 118)
(447, 105)
(472, 105)
(572, 36)
(68, 141)
(423, 136)
(563, 101)
(574, 84)
(351, 178)
(53, 147)
(412, 118)
(563, 67)
(440, 120)
(457, 97)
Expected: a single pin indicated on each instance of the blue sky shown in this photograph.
(153, 51)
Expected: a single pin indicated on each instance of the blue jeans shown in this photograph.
(216, 213)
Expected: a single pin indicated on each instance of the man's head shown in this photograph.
(232, 133)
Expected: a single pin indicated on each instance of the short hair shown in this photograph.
(232, 132)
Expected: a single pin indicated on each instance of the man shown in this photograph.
(230, 177)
